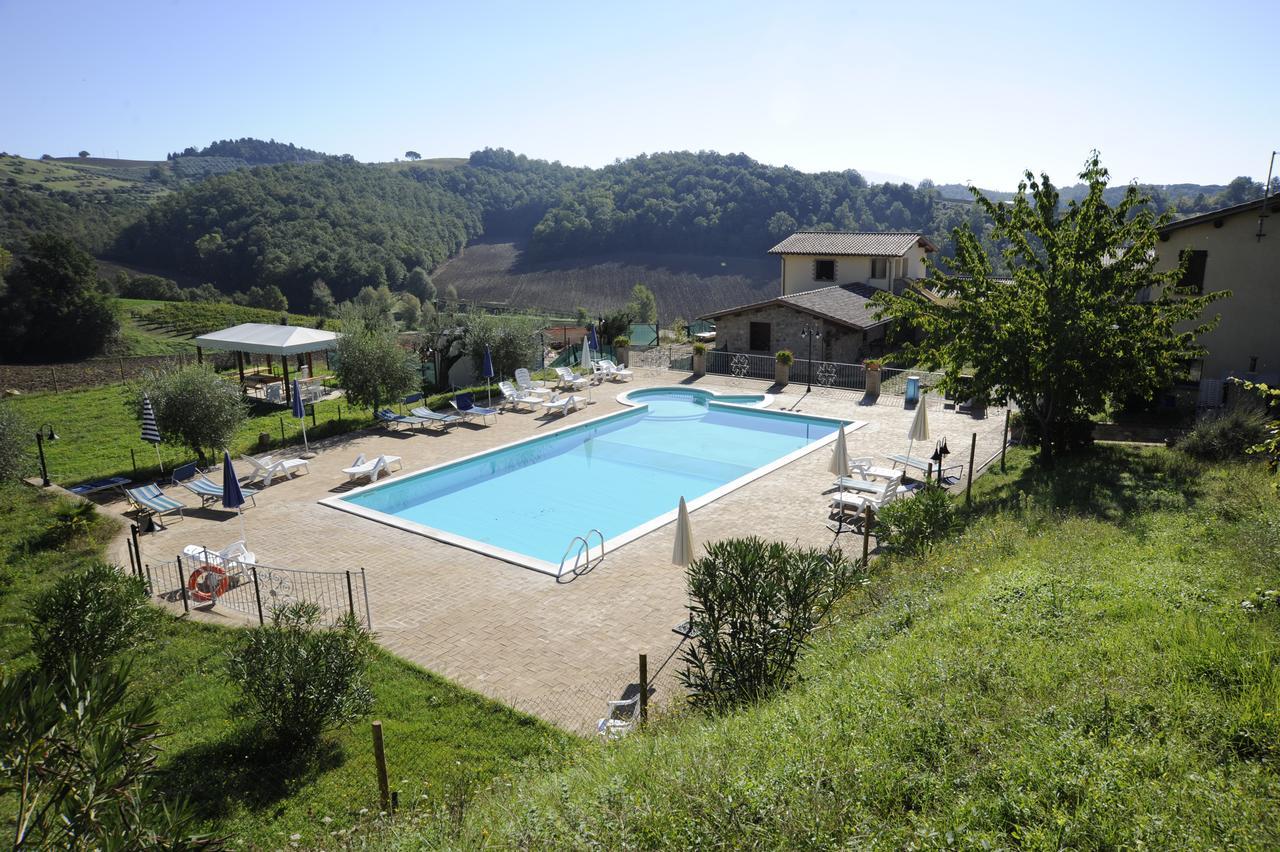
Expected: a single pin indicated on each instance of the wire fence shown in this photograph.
(815, 373)
(91, 373)
(205, 578)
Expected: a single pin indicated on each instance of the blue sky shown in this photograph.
(952, 91)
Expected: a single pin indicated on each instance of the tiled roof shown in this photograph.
(846, 304)
(872, 243)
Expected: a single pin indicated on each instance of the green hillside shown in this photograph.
(1074, 671)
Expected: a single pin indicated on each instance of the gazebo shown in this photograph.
(259, 338)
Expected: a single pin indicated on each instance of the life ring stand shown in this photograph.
(200, 573)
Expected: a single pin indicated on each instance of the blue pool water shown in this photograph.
(616, 474)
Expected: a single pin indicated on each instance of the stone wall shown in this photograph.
(838, 343)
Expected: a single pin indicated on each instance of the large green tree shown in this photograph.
(194, 407)
(372, 366)
(1085, 319)
(53, 305)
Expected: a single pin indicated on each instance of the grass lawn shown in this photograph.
(1073, 670)
(442, 742)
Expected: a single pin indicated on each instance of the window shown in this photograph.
(879, 267)
(1193, 277)
(760, 337)
(824, 270)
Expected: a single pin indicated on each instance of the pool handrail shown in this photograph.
(586, 544)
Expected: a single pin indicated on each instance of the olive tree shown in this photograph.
(194, 407)
(372, 366)
(1085, 318)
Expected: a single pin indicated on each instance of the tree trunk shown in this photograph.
(1046, 447)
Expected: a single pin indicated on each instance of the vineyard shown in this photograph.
(187, 319)
(686, 286)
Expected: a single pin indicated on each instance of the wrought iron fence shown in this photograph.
(740, 365)
(825, 374)
(206, 579)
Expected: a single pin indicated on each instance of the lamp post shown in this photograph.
(40, 439)
(811, 333)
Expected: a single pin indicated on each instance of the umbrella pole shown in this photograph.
(157, 446)
(243, 536)
(305, 446)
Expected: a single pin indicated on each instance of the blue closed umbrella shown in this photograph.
(591, 339)
(487, 371)
(232, 496)
(300, 413)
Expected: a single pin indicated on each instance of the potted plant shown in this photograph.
(699, 359)
(873, 377)
(622, 349)
(782, 369)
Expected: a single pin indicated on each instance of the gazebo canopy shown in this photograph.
(265, 339)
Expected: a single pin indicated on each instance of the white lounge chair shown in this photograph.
(570, 379)
(865, 487)
(360, 468)
(925, 465)
(613, 371)
(564, 404)
(234, 555)
(525, 382)
(866, 468)
(267, 468)
(511, 396)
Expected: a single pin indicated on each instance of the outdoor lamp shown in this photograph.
(41, 437)
(811, 333)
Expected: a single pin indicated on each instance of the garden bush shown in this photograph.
(1226, 433)
(912, 524)
(93, 615)
(755, 605)
(302, 679)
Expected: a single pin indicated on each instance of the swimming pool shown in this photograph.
(622, 474)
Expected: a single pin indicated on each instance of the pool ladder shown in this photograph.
(578, 546)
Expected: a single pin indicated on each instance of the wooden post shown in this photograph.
(380, 759)
(313, 415)
(1004, 442)
(54, 372)
(867, 517)
(199, 355)
(288, 391)
(134, 455)
(643, 709)
(137, 551)
(282, 429)
(311, 367)
(122, 368)
(240, 365)
(968, 489)
(928, 475)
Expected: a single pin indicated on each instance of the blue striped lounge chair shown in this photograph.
(427, 417)
(193, 479)
(465, 405)
(150, 500)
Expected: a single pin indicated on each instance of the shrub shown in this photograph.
(92, 615)
(699, 349)
(755, 604)
(1226, 433)
(15, 438)
(621, 341)
(302, 679)
(79, 764)
(785, 357)
(912, 524)
(194, 406)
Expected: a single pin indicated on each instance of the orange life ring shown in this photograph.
(202, 594)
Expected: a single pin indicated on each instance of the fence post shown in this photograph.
(134, 455)
(867, 515)
(968, 489)
(364, 590)
(182, 588)
(282, 430)
(136, 556)
(380, 759)
(257, 592)
(54, 372)
(313, 415)
(351, 598)
(644, 689)
(1004, 442)
(122, 368)
(928, 475)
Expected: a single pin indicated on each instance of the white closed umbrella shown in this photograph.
(682, 553)
(586, 363)
(840, 456)
(919, 430)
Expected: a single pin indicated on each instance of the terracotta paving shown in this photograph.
(555, 649)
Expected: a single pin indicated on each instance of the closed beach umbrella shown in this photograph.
(151, 431)
(586, 362)
(300, 413)
(682, 553)
(592, 339)
(919, 430)
(840, 456)
(232, 496)
(487, 372)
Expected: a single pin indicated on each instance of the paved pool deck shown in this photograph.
(558, 650)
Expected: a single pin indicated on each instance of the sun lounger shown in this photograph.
(87, 488)
(150, 500)
(193, 479)
(877, 490)
(465, 405)
(614, 372)
(850, 503)
(427, 417)
(360, 468)
(268, 468)
(570, 379)
(564, 404)
(526, 384)
(513, 397)
(234, 555)
(924, 465)
(865, 468)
